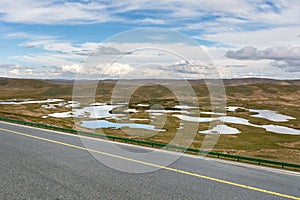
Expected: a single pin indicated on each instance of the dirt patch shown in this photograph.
(291, 144)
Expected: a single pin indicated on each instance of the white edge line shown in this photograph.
(269, 169)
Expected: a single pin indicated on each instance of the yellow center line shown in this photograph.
(155, 165)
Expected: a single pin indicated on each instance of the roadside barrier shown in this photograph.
(155, 144)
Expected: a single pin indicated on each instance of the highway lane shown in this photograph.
(42, 164)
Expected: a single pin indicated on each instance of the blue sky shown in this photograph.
(45, 39)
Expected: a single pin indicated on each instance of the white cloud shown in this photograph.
(259, 38)
(53, 12)
(167, 12)
(264, 68)
(64, 53)
(158, 62)
(32, 72)
(117, 69)
(28, 36)
(55, 52)
(148, 21)
(144, 60)
(273, 53)
(233, 24)
(287, 65)
(108, 70)
(74, 68)
(47, 59)
(287, 58)
(66, 47)
(190, 8)
(50, 45)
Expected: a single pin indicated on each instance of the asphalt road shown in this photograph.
(42, 164)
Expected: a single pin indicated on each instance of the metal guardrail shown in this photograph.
(155, 144)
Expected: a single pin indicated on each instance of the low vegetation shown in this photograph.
(281, 96)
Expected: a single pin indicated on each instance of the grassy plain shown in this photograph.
(281, 96)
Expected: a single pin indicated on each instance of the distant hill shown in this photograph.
(248, 81)
(33, 88)
(245, 81)
(14, 83)
(38, 83)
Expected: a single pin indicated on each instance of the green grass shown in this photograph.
(255, 142)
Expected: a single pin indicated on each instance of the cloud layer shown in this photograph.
(287, 58)
(243, 38)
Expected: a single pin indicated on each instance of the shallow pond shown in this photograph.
(101, 110)
(238, 120)
(94, 124)
(266, 114)
(221, 129)
(97, 112)
(271, 115)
